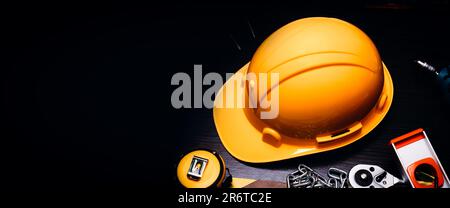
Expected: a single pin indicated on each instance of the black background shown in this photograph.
(86, 88)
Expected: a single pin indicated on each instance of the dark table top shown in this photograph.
(400, 36)
(87, 90)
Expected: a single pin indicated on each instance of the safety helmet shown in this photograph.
(333, 90)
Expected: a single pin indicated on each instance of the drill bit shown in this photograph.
(427, 66)
(442, 77)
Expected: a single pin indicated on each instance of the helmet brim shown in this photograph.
(245, 142)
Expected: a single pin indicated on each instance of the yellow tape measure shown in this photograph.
(202, 169)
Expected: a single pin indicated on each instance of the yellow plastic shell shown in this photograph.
(333, 90)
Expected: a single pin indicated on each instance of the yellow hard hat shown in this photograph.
(333, 90)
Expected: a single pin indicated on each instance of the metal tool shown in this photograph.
(442, 77)
(419, 161)
(338, 174)
(306, 177)
(371, 176)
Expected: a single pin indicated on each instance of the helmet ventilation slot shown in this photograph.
(340, 132)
